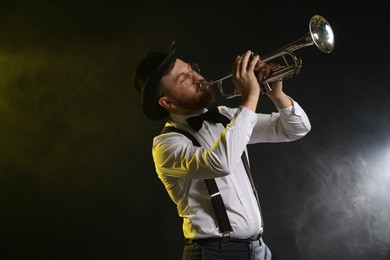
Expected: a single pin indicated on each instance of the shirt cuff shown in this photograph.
(295, 110)
(245, 118)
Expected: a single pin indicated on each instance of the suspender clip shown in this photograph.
(225, 236)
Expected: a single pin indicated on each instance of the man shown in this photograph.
(204, 168)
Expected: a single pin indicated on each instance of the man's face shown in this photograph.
(182, 88)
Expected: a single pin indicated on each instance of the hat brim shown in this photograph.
(150, 93)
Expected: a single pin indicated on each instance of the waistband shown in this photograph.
(225, 239)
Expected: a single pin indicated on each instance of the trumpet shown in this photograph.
(320, 34)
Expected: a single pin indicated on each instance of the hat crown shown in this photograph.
(148, 65)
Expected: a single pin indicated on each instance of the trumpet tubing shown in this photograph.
(320, 34)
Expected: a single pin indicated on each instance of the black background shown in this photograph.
(76, 174)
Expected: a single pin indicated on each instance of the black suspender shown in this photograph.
(216, 198)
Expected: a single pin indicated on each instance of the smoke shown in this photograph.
(345, 214)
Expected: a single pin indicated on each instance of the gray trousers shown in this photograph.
(226, 250)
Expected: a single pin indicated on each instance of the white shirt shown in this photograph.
(182, 167)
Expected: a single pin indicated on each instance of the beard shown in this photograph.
(205, 99)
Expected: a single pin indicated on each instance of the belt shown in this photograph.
(225, 239)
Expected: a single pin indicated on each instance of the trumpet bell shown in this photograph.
(321, 33)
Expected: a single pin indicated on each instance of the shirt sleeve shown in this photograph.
(175, 155)
(288, 124)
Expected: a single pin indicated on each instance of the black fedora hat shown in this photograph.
(147, 79)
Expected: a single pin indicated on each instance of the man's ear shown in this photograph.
(166, 103)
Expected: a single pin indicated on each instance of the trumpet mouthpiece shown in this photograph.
(203, 85)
